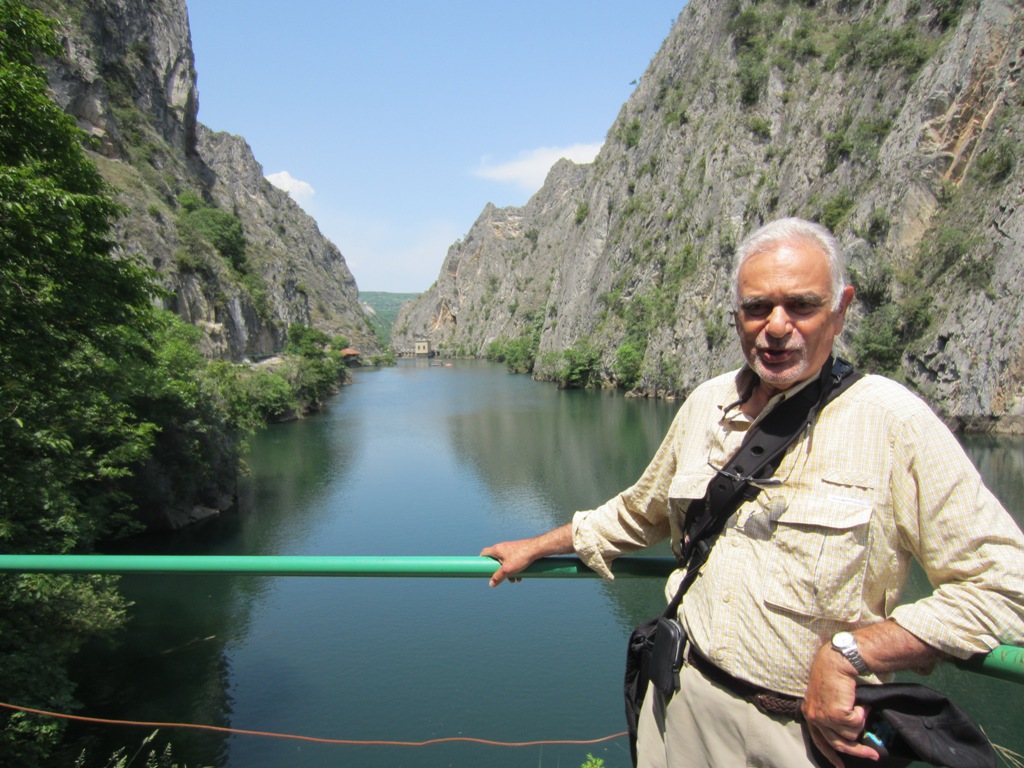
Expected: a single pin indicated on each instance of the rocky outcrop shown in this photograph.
(313, 284)
(129, 79)
(124, 53)
(897, 124)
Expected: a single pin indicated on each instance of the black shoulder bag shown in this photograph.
(655, 648)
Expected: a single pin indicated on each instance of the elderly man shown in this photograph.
(798, 597)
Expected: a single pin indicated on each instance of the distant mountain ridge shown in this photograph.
(899, 124)
(129, 78)
(383, 310)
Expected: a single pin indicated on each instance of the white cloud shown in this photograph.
(530, 169)
(300, 191)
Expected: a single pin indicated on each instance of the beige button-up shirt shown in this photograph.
(876, 482)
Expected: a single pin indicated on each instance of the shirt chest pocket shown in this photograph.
(819, 551)
(686, 487)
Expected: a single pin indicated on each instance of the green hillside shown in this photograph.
(384, 308)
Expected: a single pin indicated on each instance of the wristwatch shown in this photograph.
(846, 644)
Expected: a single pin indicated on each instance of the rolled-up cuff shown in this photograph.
(938, 631)
(589, 547)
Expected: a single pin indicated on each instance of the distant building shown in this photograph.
(350, 356)
(423, 348)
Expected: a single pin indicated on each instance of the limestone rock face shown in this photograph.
(897, 124)
(129, 79)
(313, 284)
(497, 281)
(126, 50)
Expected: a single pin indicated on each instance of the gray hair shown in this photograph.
(789, 230)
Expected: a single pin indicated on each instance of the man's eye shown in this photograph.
(804, 307)
(757, 310)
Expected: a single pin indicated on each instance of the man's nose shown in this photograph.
(779, 321)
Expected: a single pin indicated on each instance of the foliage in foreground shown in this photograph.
(76, 340)
(151, 757)
(98, 387)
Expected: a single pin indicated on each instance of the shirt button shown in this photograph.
(726, 597)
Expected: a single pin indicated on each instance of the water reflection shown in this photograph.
(134, 677)
(563, 451)
(294, 470)
(172, 662)
(1000, 460)
(567, 450)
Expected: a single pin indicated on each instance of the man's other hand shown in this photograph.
(516, 556)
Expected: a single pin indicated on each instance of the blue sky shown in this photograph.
(394, 123)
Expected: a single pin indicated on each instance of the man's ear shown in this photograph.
(845, 300)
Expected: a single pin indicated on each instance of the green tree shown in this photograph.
(306, 341)
(252, 397)
(195, 447)
(579, 366)
(66, 435)
(629, 358)
(313, 373)
(70, 314)
(519, 354)
(93, 381)
(219, 228)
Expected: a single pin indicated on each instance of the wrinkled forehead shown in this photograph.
(785, 268)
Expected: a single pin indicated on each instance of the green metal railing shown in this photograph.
(283, 565)
(1005, 662)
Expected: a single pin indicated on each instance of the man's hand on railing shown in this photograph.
(515, 556)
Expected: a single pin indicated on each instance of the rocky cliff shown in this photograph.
(251, 262)
(897, 124)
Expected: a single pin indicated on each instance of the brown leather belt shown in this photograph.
(767, 701)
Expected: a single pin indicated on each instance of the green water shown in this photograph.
(417, 460)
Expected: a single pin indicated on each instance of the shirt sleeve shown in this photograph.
(634, 519)
(969, 547)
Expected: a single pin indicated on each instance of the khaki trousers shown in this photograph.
(705, 726)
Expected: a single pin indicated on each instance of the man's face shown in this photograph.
(785, 322)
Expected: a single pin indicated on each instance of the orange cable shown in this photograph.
(317, 739)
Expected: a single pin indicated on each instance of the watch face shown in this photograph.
(846, 644)
(843, 639)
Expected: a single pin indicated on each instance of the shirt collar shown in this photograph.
(745, 381)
